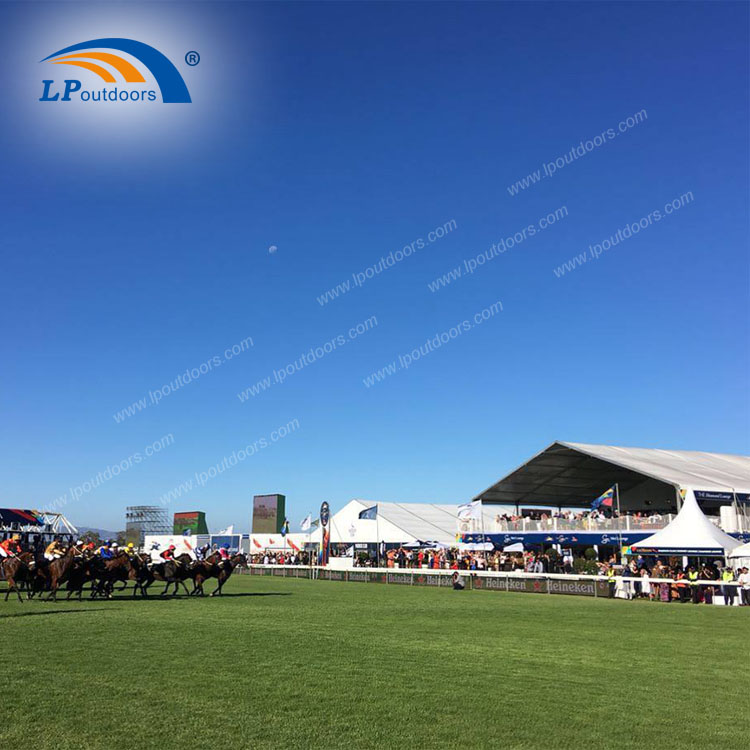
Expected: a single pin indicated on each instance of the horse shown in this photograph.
(58, 570)
(81, 572)
(226, 570)
(118, 568)
(202, 570)
(15, 570)
(174, 572)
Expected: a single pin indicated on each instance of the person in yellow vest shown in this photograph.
(694, 587)
(611, 580)
(728, 592)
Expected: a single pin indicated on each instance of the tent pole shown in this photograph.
(619, 524)
(377, 539)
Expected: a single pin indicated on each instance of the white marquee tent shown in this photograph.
(740, 556)
(691, 532)
(397, 523)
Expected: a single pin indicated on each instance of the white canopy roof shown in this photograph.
(742, 551)
(574, 474)
(703, 471)
(690, 533)
(397, 523)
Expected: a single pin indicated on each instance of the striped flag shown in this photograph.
(604, 499)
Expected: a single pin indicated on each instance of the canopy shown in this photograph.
(743, 551)
(574, 474)
(690, 533)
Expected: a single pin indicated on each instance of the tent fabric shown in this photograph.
(741, 552)
(740, 556)
(397, 523)
(690, 533)
(574, 474)
(712, 472)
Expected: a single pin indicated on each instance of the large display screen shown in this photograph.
(268, 514)
(192, 522)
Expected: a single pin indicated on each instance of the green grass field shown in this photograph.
(282, 663)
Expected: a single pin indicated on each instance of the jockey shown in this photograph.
(168, 554)
(54, 550)
(223, 554)
(105, 551)
(10, 548)
(202, 552)
(130, 549)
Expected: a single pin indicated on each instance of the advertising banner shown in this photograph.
(578, 588)
(325, 518)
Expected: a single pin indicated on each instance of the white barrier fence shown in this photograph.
(517, 581)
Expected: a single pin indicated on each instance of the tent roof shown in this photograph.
(742, 551)
(690, 532)
(577, 473)
(397, 522)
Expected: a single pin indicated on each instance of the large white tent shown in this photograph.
(396, 523)
(691, 533)
(574, 474)
(740, 556)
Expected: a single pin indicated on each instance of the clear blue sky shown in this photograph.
(135, 246)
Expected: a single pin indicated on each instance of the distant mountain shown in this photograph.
(103, 533)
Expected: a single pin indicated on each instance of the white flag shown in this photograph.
(307, 523)
(226, 532)
(470, 511)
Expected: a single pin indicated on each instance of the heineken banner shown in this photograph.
(569, 585)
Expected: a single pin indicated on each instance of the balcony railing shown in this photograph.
(623, 523)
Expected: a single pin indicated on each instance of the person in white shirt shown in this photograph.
(744, 580)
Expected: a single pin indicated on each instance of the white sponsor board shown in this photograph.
(155, 544)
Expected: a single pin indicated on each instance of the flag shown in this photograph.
(285, 528)
(369, 514)
(604, 499)
(306, 523)
(470, 511)
(226, 532)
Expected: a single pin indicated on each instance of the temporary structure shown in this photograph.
(691, 533)
(740, 556)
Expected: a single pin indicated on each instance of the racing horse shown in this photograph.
(202, 570)
(58, 570)
(174, 572)
(226, 570)
(16, 572)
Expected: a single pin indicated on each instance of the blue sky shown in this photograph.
(136, 247)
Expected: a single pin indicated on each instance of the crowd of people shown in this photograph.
(583, 518)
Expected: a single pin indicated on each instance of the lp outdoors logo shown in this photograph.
(171, 86)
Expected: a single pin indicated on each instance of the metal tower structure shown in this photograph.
(146, 519)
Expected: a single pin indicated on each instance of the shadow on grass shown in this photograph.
(155, 597)
(52, 612)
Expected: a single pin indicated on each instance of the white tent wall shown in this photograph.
(739, 557)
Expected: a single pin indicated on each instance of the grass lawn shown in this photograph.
(284, 663)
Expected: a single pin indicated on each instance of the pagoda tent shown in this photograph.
(691, 533)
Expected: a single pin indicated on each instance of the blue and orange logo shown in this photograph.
(96, 57)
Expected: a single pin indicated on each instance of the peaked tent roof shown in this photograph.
(690, 532)
(396, 523)
(577, 473)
